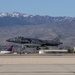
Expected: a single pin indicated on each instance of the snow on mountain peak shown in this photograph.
(3, 14)
(14, 14)
(26, 15)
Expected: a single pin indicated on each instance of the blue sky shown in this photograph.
(39, 7)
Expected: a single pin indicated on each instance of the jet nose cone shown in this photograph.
(9, 40)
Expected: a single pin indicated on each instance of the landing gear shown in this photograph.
(22, 49)
(37, 48)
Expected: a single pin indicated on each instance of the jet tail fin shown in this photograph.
(57, 39)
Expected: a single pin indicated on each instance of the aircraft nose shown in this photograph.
(8, 40)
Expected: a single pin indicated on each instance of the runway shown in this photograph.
(37, 65)
(36, 59)
(45, 69)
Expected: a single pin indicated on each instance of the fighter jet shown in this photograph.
(33, 42)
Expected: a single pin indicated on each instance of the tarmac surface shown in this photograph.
(37, 69)
(37, 65)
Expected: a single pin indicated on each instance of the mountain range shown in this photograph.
(37, 26)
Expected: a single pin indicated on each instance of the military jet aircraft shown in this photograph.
(33, 42)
